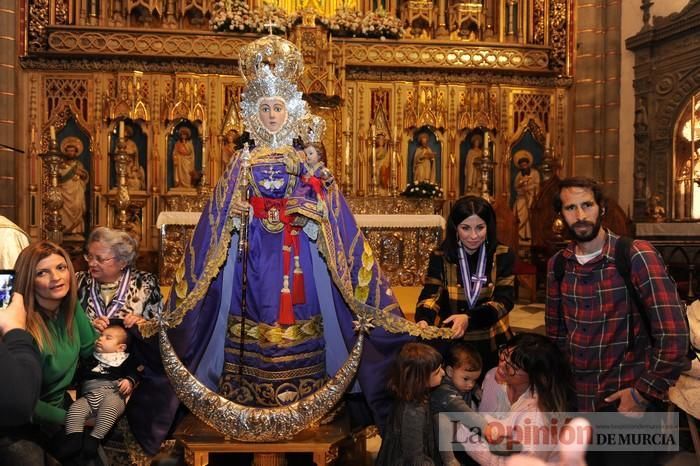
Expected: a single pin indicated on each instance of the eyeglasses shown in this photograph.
(504, 356)
(100, 260)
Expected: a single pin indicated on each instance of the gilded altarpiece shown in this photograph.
(167, 71)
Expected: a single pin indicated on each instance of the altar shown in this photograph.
(401, 243)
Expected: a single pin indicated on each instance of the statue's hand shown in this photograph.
(239, 206)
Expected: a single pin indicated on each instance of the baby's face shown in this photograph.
(111, 341)
(462, 378)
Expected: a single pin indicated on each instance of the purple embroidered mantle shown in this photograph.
(341, 276)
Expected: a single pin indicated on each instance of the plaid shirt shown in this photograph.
(595, 307)
(443, 295)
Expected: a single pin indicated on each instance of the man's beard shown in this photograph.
(583, 238)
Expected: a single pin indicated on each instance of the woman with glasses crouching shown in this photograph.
(539, 388)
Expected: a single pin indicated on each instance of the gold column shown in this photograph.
(123, 199)
(52, 200)
(442, 31)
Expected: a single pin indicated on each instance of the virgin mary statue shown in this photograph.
(273, 332)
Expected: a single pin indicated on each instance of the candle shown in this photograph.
(52, 133)
(546, 143)
(347, 153)
(204, 156)
(392, 170)
(204, 129)
(373, 130)
(486, 140)
(330, 48)
(121, 129)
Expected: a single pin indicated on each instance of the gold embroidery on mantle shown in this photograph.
(272, 335)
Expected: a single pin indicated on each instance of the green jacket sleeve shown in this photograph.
(45, 413)
(86, 332)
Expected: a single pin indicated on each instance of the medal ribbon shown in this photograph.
(117, 301)
(473, 283)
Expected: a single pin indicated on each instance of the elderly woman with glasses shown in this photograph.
(112, 288)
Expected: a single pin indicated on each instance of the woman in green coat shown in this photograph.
(45, 285)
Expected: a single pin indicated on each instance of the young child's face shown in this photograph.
(311, 154)
(436, 377)
(463, 379)
(111, 341)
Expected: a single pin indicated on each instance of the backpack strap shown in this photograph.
(623, 264)
(559, 269)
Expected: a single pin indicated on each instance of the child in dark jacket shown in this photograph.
(458, 393)
(409, 438)
(107, 379)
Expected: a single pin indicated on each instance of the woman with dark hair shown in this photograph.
(547, 370)
(469, 282)
(45, 287)
(539, 384)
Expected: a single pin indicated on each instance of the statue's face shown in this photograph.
(423, 139)
(272, 112)
(71, 152)
(312, 155)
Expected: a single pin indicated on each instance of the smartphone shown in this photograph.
(7, 278)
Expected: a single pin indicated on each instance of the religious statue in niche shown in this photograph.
(383, 154)
(73, 180)
(472, 175)
(135, 175)
(526, 185)
(684, 187)
(424, 159)
(183, 159)
(229, 146)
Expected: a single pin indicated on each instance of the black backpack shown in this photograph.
(623, 265)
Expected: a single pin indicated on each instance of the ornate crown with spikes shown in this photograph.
(271, 67)
(280, 56)
(312, 128)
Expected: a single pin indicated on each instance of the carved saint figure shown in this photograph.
(383, 162)
(73, 180)
(229, 146)
(424, 160)
(471, 170)
(135, 175)
(183, 158)
(527, 185)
